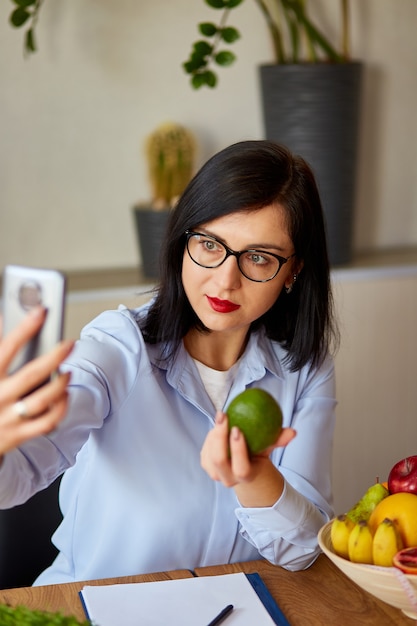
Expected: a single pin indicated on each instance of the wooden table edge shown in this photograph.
(64, 598)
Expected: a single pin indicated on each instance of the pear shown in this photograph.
(363, 509)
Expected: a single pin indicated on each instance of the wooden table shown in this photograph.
(320, 595)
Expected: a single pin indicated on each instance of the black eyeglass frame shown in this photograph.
(229, 252)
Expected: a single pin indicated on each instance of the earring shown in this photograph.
(290, 288)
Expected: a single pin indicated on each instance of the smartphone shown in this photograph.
(25, 288)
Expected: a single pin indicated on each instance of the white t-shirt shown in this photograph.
(217, 382)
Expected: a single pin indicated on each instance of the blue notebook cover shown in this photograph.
(80, 595)
(267, 600)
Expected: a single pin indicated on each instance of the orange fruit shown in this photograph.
(401, 508)
(258, 416)
(406, 560)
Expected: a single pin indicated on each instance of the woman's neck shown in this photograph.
(215, 350)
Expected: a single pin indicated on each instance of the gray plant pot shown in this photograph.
(314, 110)
(150, 230)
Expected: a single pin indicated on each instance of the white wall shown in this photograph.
(376, 389)
(73, 118)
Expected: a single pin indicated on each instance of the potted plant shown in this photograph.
(170, 154)
(310, 95)
(310, 98)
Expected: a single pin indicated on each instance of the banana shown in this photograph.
(363, 509)
(360, 543)
(339, 533)
(386, 543)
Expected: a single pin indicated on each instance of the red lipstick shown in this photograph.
(222, 306)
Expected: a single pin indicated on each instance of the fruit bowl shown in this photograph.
(388, 584)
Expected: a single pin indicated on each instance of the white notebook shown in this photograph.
(185, 602)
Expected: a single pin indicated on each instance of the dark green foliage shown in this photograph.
(26, 11)
(207, 29)
(207, 78)
(224, 58)
(288, 25)
(22, 616)
(19, 17)
(223, 4)
(24, 3)
(30, 40)
(199, 59)
(229, 34)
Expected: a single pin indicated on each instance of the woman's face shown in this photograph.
(222, 297)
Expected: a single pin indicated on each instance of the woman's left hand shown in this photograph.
(29, 408)
(225, 458)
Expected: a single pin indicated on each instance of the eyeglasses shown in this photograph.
(256, 265)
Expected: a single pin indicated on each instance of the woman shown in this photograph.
(244, 301)
(48, 404)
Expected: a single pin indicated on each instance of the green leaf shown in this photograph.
(217, 4)
(199, 60)
(197, 81)
(229, 34)
(19, 17)
(188, 67)
(30, 44)
(209, 79)
(225, 58)
(194, 63)
(207, 29)
(231, 4)
(24, 3)
(202, 48)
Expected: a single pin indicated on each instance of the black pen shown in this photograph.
(221, 616)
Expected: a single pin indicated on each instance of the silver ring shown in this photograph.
(20, 409)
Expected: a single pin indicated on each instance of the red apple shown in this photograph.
(403, 476)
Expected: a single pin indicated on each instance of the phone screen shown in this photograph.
(25, 288)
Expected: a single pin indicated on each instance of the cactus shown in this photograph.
(170, 151)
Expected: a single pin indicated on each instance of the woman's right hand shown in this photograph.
(41, 410)
(225, 458)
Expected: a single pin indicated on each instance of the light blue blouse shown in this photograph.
(135, 498)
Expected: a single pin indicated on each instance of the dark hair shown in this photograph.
(247, 176)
